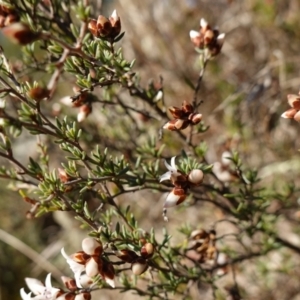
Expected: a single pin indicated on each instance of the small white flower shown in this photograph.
(173, 172)
(42, 292)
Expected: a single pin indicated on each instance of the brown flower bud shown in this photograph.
(63, 176)
(211, 252)
(92, 26)
(289, 114)
(294, 101)
(83, 296)
(127, 255)
(38, 93)
(20, 33)
(187, 107)
(115, 23)
(147, 250)
(176, 112)
(215, 50)
(297, 116)
(208, 36)
(5, 10)
(202, 248)
(81, 97)
(177, 124)
(10, 19)
(104, 27)
(195, 118)
(69, 283)
(66, 296)
(139, 266)
(175, 197)
(80, 257)
(199, 234)
(108, 272)
(84, 112)
(2, 21)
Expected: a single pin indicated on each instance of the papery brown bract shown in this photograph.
(20, 33)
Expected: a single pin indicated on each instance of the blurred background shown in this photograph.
(244, 93)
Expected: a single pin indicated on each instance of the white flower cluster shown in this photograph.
(85, 265)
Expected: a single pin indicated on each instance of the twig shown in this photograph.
(30, 253)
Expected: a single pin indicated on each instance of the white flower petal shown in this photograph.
(36, 286)
(168, 166)
(41, 291)
(67, 101)
(203, 23)
(48, 283)
(159, 96)
(74, 266)
(173, 165)
(90, 245)
(171, 200)
(166, 176)
(85, 282)
(24, 295)
(221, 36)
(194, 34)
(91, 268)
(110, 281)
(115, 16)
(173, 172)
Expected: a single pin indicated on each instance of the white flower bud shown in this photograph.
(91, 267)
(139, 267)
(195, 176)
(91, 247)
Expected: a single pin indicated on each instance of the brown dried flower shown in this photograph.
(207, 38)
(38, 93)
(293, 113)
(107, 28)
(20, 33)
(7, 16)
(183, 117)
